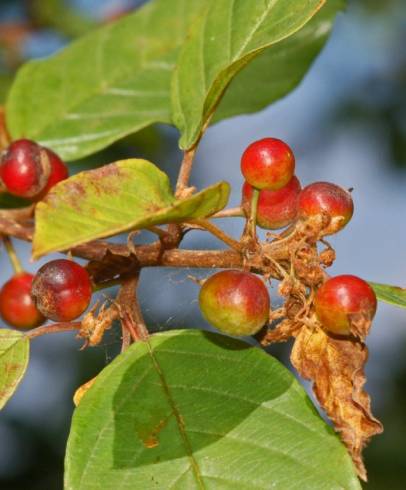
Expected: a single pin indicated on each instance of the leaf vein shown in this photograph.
(179, 420)
(256, 26)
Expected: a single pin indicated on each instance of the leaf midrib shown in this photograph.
(179, 421)
(257, 25)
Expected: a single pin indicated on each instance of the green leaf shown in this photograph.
(14, 354)
(108, 84)
(390, 294)
(126, 195)
(227, 37)
(277, 71)
(192, 410)
(116, 80)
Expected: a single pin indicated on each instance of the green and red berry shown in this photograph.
(235, 302)
(268, 163)
(342, 300)
(326, 199)
(58, 172)
(276, 209)
(28, 170)
(24, 168)
(62, 290)
(17, 307)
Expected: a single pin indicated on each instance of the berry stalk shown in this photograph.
(217, 232)
(54, 328)
(252, 220)
(15, 262)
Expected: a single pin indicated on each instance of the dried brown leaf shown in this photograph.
(360, 324)
(282, 333)
(94, 325)
(336, 368)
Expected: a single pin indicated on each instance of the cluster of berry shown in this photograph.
(234, 301)
(238, 302)
(61, 290)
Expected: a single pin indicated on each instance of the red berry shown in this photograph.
(323, 198)
(276, 209)
(24, 169)
(342, 300)
(58, 172)
(62, 290)
(235, 302)
(17, 307)
(268, 164)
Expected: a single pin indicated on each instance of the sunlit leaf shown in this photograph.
(116, 80)
(227, 37)
(126, 195)
(192, 410)
(278, 70)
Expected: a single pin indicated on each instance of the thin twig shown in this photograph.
(229, 213)
(53, 328)
(18, 214)
(163, 234)
(217, 232)
(130, 311)
(11, 227)
(152, 255)
(126, 338)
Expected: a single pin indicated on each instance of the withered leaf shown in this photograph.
(282, 333)
(336, 368)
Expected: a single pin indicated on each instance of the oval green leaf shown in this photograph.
(226, 38)
(110, 83)
(14, 355)
(277, 71)
(394, 295)
(194, 410)
(126, 195)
